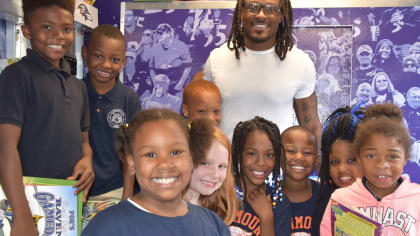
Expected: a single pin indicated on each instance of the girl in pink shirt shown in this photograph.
(382, 147)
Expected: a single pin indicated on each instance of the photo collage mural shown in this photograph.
(361, 54)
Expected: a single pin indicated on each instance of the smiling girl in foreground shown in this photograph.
(256, 152)
(382, 146)
(159, 154)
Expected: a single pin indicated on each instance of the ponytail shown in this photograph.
(121, 141)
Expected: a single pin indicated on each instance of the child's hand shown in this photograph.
(83, 168)
(261, 204)
(23, 226)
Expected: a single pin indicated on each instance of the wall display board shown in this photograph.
(362, 52)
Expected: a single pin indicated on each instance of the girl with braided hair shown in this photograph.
(339, 167)
(256, 153)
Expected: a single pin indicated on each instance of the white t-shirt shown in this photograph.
(259, 84)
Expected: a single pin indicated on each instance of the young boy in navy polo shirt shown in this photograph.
(112, 104)
(44, 116)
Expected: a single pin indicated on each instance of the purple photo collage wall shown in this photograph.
(361, 54)
(384, 61)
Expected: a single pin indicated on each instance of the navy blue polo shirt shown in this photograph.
(108, 112)
(51, 108)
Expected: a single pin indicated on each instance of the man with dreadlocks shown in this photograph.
(259, 72)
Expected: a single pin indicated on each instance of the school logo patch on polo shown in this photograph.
(116, 118)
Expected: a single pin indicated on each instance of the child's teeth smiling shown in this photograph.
(165, 180)
(103, 73)
(258, 172)
(298, 167)
(384, 178)
(208, 183)
(55, 46)
(346, 178)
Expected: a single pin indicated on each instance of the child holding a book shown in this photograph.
(159, 155)
(300, 148)
(44, 116)
(382, 147)
(339, 167)
(211, 184)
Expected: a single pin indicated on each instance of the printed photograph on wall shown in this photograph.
(330, 50)
(166, 48)
(385, 61)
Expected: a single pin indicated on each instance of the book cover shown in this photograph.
(349, 222)
(55, 209)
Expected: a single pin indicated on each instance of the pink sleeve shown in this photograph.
(325, 228)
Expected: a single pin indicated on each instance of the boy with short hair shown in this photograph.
(201, 98)
(44, 119)
(112, 105)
